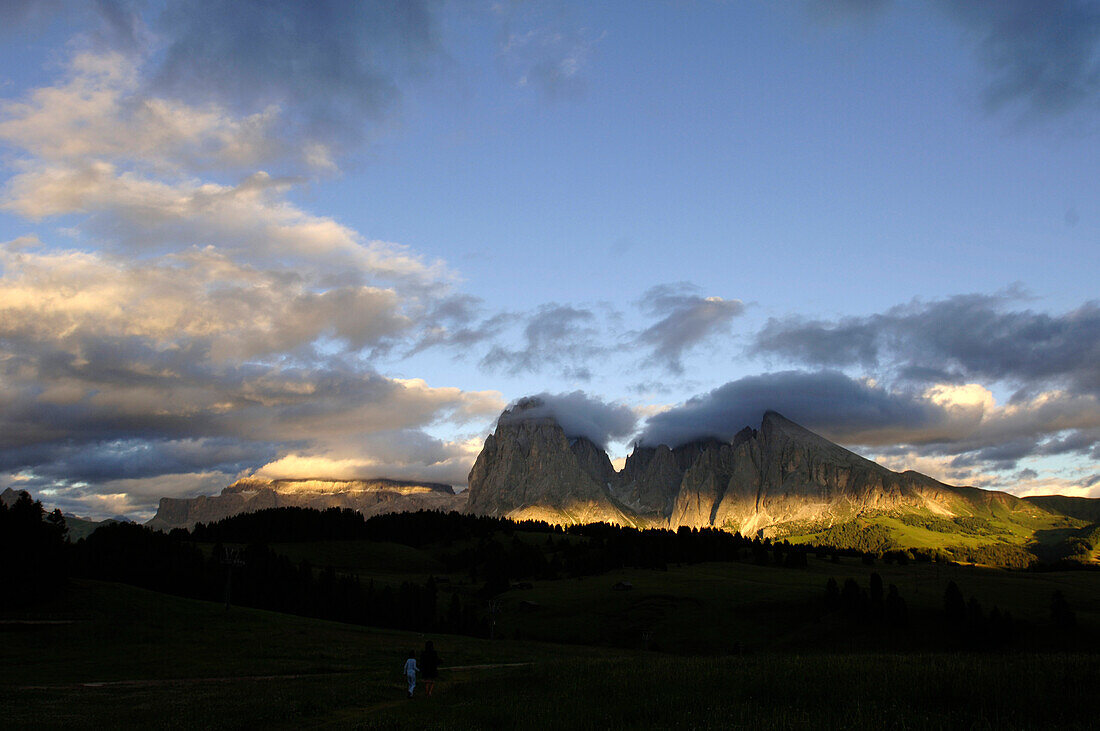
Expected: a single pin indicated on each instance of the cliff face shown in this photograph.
(760, 479)
(530, 469)
(369, 497)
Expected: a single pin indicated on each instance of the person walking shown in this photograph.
(410, 672)
(429, 666)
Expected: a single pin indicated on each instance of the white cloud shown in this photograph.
(100, 112)
(190, 328)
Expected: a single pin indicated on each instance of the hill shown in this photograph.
(1082, 508)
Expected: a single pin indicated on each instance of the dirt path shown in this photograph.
(349, 716)
(489, 667)
(149, 683)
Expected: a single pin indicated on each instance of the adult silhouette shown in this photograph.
(429, 666)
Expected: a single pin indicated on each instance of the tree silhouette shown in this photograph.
(1061, 614)
(32, 543)
(896, 612)
(954, 605)
(832, 594)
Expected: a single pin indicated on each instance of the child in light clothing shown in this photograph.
(410, 672)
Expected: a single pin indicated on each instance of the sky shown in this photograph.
(337, 239)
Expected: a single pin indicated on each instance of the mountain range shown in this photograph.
(778, 480)
(762, 478)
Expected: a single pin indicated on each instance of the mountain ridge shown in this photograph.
(766, 481)
(249, 494)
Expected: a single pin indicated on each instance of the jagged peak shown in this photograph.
(775, 423)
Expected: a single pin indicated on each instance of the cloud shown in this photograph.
(134, 457)
(135, 499)
(197, 296)
(92, 410)
(1023, 483)
(403, 454)
(963, 422)
(578, 414)
(457, 321)
(823, 401)
(960, 338)
(195, 323)
(1043, 56)
(200, 328)
(99, 112)
(561, 336)
(686, 320)
(327, 65)
(252, 221)
(539, 46)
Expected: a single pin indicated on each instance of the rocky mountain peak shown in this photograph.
(780, 473)
(529, 468)
(9, 497)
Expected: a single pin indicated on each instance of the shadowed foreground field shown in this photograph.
(136, 658)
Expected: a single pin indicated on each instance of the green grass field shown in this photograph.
(135, 658)
(905, 531)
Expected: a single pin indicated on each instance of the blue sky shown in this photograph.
(336, 239)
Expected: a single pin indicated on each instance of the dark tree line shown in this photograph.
(496, 554)
(32, 552)
(257, 576)
(867, 606)
(970, 626)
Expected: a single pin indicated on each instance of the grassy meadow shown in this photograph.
(748, 643)
(135, 658)
(723, 607)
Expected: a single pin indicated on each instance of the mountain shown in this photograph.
(9, 496)
(780, 480)
(529, 469)
(369, 497)
(84, 527)
(1083, 508)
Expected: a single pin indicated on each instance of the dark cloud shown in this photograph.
(686, 320)
(963, 337)
(134, 458)
(578, 414)
(87, 410)
(1043, 55)
(329, 64)
(828, 402)
(1003, 456)
(457, 321)
(1077, 441)
(561, 336)
(960, 426)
